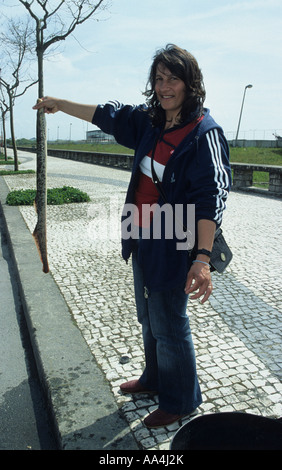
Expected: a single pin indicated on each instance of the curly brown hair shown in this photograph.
(184, 66)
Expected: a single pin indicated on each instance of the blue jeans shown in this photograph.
(169, 351)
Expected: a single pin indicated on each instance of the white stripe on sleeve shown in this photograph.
(220, 176)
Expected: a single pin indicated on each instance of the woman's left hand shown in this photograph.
(199, 279)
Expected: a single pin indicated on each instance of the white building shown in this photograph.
(99, 136)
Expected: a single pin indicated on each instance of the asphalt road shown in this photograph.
(24, 420)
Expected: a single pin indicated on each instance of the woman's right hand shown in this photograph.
(50, 105)
(53, 105)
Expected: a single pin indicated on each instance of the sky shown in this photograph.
(236, 43)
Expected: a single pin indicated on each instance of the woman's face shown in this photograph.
(170, 90)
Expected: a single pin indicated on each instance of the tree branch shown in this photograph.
(26, 88)
(28, 7)
(79, 19)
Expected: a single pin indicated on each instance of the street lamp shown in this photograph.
(247, 86)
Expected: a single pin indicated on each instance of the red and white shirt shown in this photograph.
(146, 192)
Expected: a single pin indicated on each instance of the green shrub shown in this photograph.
(18, 172)
(22, 197)
(8, 162)
(55, 196)
(66, 195)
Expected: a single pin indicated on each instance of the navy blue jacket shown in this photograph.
(198, 172)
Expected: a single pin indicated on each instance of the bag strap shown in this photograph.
(155, 178)
(157, 182)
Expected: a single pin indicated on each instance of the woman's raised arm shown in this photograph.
(53, 105)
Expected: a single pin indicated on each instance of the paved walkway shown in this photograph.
(237, 334)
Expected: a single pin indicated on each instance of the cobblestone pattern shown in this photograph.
(237, 334)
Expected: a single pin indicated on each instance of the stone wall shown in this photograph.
(243, 176)
(256, 143)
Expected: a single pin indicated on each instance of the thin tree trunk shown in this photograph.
(16, 164)
(40, 231)
(4, 137)
(78, 18)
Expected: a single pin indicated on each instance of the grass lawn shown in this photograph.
(10, 160)
(260, 156)
(108, 148)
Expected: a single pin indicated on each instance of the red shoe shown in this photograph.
(159, 418)
(134, 386)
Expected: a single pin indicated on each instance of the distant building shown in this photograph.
(99, 136)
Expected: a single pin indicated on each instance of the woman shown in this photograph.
(190, 156)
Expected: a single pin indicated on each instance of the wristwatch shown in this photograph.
(203, 251)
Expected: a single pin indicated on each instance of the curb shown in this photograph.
(81, 404)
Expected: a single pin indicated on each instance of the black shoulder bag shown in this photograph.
(221, 254)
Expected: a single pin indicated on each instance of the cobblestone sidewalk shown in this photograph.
(237, 334)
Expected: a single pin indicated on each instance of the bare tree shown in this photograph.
(15, 49)
(4, 109)
(55, 21)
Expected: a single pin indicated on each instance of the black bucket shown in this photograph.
(229, 431)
